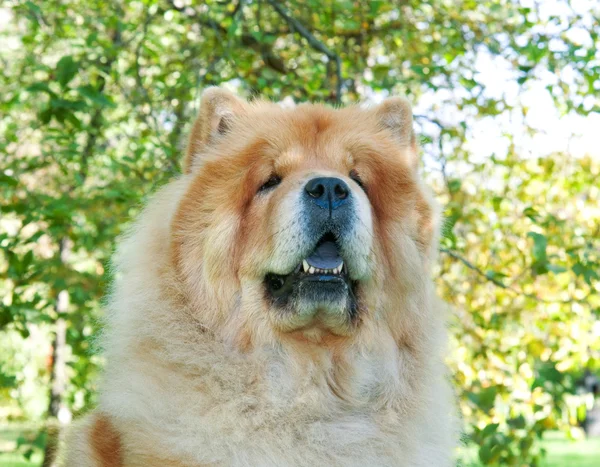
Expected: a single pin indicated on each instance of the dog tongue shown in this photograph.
(325, 256)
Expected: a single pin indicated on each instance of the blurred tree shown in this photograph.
(96, 96)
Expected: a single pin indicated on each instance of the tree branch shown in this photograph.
(430, 120)
(500, 284)
(471, 266)
(371, 31)
(295, 25)
(270, 58)
(95, 127)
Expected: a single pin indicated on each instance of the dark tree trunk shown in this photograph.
(57, 409)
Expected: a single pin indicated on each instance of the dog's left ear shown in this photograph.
(395, 115)
(218, 110)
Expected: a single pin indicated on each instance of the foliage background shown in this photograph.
(96, 97)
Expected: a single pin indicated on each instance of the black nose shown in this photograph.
(327, 192)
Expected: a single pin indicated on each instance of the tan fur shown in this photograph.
(201, 370)
(94, 442)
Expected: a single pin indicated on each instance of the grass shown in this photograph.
(12, 453)
(561, 452)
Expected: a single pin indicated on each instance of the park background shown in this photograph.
(96, 97)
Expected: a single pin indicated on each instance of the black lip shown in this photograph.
(325, 278)
(281, 286)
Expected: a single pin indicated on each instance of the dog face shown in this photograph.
(302, 223)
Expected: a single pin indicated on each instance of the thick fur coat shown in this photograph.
(208, 366)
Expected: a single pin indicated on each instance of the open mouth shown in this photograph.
(320, 277)
(325, 259)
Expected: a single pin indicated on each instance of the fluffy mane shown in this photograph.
(196, 376)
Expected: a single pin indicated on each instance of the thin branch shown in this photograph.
(138, 53)
(237, 8)
(441, 158)
(314, 43)
(471, 266)
(500, 284)
(370, 30)
(235, 18)
(431, 120)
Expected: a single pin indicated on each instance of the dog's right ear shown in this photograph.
(218, 110)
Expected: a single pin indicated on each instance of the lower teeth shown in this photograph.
(313, 270)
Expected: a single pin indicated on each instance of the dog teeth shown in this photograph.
(307, 268)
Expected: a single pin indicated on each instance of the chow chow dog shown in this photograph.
(273, 305)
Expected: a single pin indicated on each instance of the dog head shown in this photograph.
(301, 223)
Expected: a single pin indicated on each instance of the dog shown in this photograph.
(274, 306)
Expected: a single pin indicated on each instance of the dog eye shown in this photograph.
(354, 176)
(272, 182)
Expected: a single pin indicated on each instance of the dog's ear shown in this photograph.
(218, 110)
(395, 115)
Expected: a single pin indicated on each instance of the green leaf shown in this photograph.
(95, 96)
(374, 6)
(454, 185)
(484, 399)
(539, 246)
(489, 453)
(489, 430)
(517, 422)
(487, 397)
(34, 9)
(233, 27)
(588, 273)
(7, 381)
(40, 87)
(45, 115)
(532, 213)
(495, 275)
(8, 180)
(496, 202)
(66, 69)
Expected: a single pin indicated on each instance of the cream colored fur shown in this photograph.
(183, 394)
